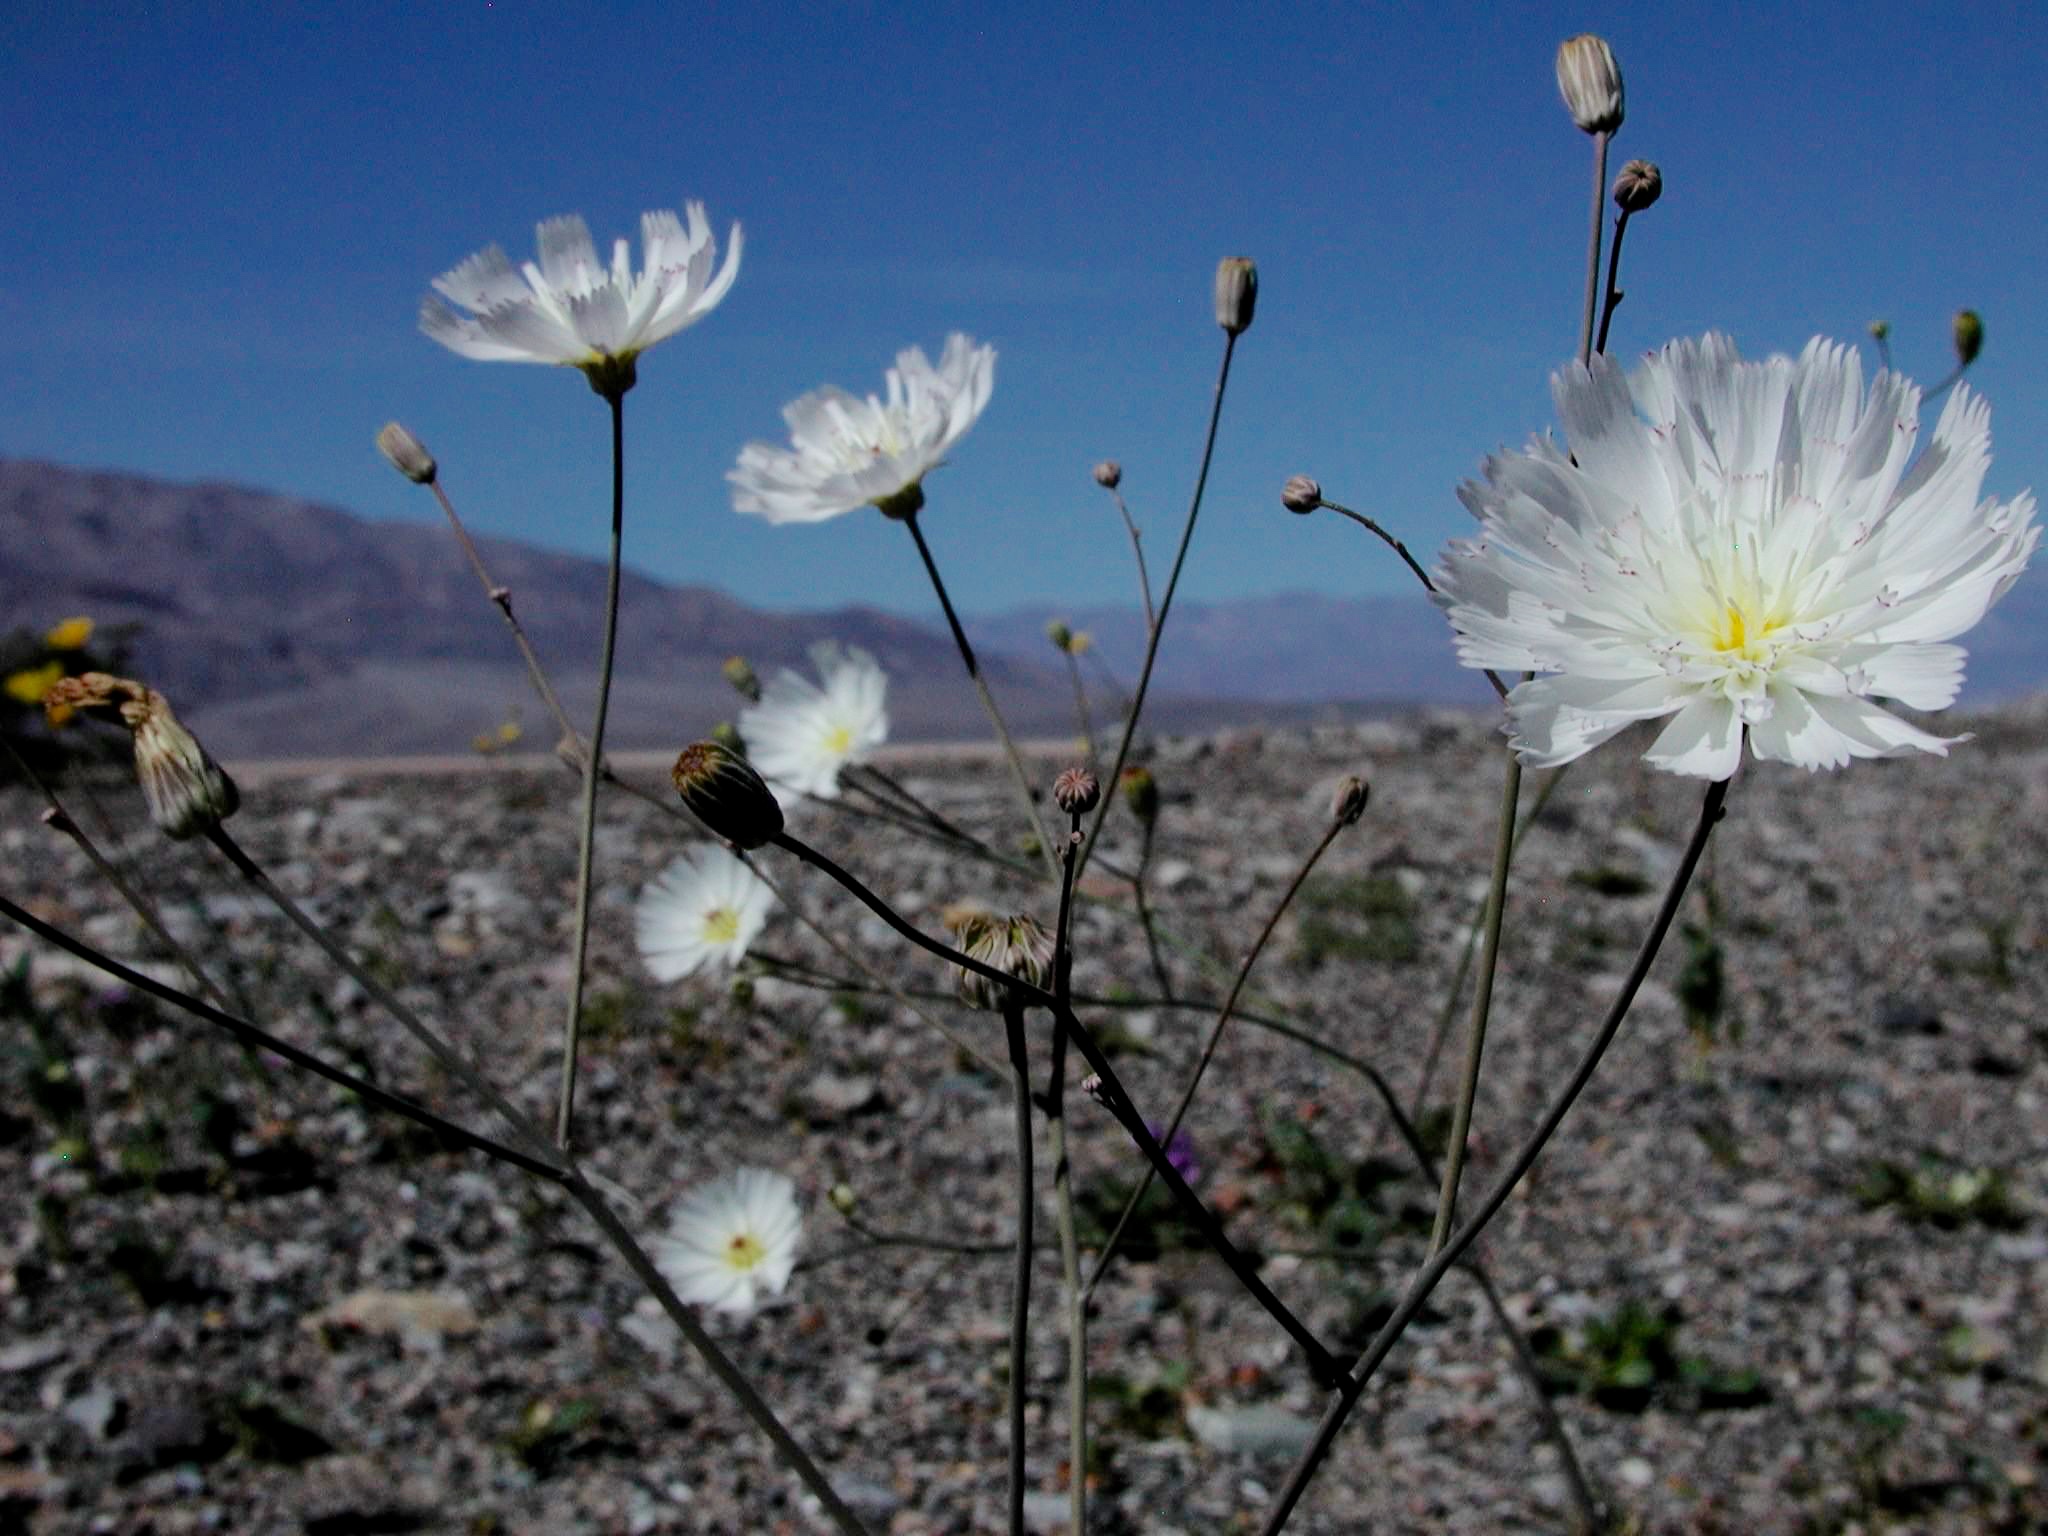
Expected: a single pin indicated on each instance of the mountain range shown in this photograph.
(280, 628)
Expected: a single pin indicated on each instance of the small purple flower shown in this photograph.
(1180, 1153)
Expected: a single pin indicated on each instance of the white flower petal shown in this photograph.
(799, 736)
(732, 1239)
(703, 910)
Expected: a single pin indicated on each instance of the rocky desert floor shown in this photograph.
(1783, 1268)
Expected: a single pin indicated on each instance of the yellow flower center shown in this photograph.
(1734, 639)
(744, 1250)
(721, 925)
(839, 741)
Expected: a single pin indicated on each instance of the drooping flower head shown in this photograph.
(846, 452)
(1745, 547)
(703, 910)
(732, 1239)
(800, 734)
(569, 309)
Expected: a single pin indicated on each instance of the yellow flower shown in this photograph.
(70, 635)
(29, 686)
(509, 732)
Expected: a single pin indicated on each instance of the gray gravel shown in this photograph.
(245, 1305)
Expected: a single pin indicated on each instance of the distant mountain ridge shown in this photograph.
(283, 628)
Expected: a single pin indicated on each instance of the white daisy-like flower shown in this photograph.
(845, 452)
(568, 309)
(800, 735)
(732, 1239)
(1749, 548)
(704, 909)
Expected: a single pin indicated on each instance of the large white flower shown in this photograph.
(568, 309)
(1746, 547)
(846, 452)
(799, 735)
(732, 1239)
(704, 909)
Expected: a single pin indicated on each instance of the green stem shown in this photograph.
(1612, 301)
(572, 1027)
(1020, 1290)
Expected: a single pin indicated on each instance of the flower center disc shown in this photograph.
(721, 925)
(744, 1251)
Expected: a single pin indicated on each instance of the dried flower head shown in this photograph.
(1590, 82)
(1638, 186)
(1109, 474)
(188, 792)
(1015, 945)
(1969, 336)
(1076, 791)
(721, 790)
(408, 455)
(1237, 293)
(1301, 494)
(1348, 803)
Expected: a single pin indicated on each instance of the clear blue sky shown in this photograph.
(222, 219)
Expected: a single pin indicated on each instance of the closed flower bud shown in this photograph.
(727, 735)
(1141, 794)
(1016, 946)
(1348, 804)
(187, 791)
(843, 1199)
(1590, 82)
(407, 454)
(1109, 474)
(1077, 791)
(1301, 494)
(741, 676)
(1057, 632)
(1237, 293)
(1969, 334)
(722, 791)
(1639, 185)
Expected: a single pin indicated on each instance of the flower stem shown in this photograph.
(1020, 1290)
(1063, 1201)
(572, 1027)
(1612, 302)
(1111, 1094)
(988, 702)
(1144, 578)
(1081, 707)
(1482, 1001)
(1593, 248)
(1223, 1015)
(1145, 915)
(1354, 1381)
(1158, 626)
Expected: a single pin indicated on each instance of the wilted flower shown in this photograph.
(1237, 293)
(568, 309)
(1741, 546)
(188, 792)
(1016, 946)
(846, 452)
(732, 1239)
(703, 910)
(721, 789)
(69, 635)
(800, 735)
(1590, 82)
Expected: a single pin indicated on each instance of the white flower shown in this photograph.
(704, 909)
(799, 736)
(846, 453)
(731, 1239)
(1741, 546)
(568, 309)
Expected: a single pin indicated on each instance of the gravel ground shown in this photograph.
(1784, 1265)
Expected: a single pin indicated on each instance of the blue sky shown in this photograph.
(223, 219)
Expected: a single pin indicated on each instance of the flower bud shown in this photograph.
(741, 676)
(1348, 804)
(1880, 330)
(1639, 185)
(1141, 794)
(721, 790)
(186, 789)
(1109, 474)
(1016, 946)
(843, 1198)
(407, 454)
(1590, 82)
(1057, 632)
(1969, 335)
(1237, 293)
(727, 735)
(1301, 494)
(1077, 791)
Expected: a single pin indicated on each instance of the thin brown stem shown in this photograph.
(1426, 1279)
(1600, 141)
(1187, 1096)
(1063, 1201)
(1612, 301)
(1145, 915)
(1081, 706)
(1138, 555)
(1158, 626)
(1020, 1286)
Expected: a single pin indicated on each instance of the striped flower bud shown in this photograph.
(1015, 945)
(1590, 82)
(1237, 293)
(721, 790)
(407, 454)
